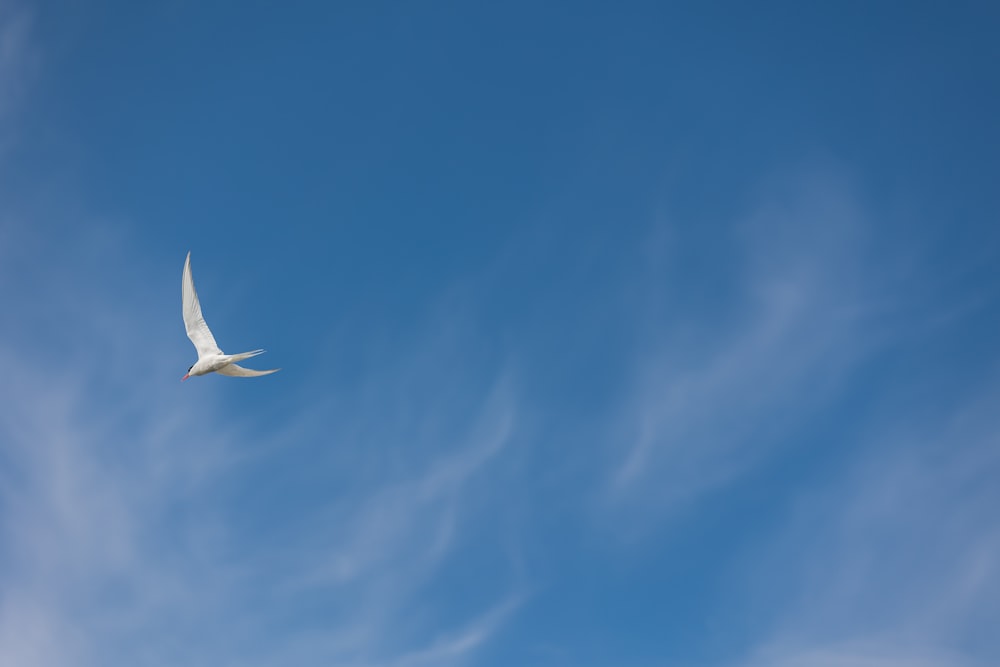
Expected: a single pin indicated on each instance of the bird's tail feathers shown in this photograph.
(244, 355)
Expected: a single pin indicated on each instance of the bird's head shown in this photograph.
(188, 374)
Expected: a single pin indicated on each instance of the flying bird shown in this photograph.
(210, 358)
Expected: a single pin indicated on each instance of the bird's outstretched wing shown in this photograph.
(235, 371)
(197, 330)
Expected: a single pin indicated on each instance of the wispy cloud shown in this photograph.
(457, 646)
(895, 561)
(853, 655)
(379, 550)
(127, 537)
(16, 63)
(717, 393)
(886, 562)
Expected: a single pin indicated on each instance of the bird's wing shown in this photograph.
(197, 330)
(235, 371)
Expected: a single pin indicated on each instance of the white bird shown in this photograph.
(210, 358)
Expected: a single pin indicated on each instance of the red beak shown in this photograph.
(186, 376)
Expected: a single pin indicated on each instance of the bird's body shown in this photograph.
(211, 359)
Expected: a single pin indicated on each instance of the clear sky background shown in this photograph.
(612, 334)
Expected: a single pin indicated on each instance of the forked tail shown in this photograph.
(244, 355)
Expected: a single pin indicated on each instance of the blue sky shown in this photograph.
(611, 334)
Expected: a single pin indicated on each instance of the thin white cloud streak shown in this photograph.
(390, 514)
(709, 405)
(457, 646)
